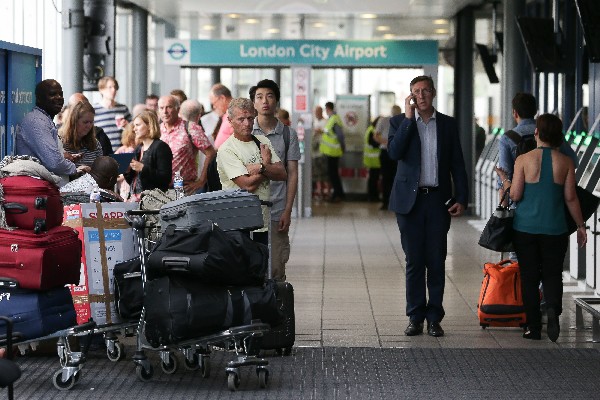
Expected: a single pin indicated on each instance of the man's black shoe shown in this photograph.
(435, 329)
(414, 329)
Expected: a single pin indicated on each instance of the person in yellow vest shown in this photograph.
(371, 153)
(332, 147)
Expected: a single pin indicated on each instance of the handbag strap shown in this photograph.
(504, 197)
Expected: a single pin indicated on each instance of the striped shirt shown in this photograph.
(428, 136)
(88, 156)
(105, 119)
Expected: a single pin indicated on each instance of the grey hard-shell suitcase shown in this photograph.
(232, 209)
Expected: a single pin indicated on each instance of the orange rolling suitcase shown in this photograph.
(500, 299)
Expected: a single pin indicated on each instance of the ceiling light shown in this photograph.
(440, 21)
(389, 36)
(382, 28)
(332, 33)
(318, 25)
(368, 16)
(252, 21)
(208, 27)
(273, 30)
(441, 31)
(233, 16)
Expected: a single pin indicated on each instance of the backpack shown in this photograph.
(524, 143)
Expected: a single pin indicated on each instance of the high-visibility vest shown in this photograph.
(370, 153)
(330, 145)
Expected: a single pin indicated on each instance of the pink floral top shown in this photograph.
(184, 152)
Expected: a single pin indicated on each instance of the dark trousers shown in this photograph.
(388, 173)
(540, 259)
(334, 177)
(373, 184)
(423, 233)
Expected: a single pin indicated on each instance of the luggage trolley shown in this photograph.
(241, 339)
(71, 361)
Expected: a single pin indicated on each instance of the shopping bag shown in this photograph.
(498, 232)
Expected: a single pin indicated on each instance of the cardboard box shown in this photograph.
(107, 239)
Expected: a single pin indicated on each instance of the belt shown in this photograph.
(428, 189)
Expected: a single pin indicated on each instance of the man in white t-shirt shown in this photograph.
(242, 164)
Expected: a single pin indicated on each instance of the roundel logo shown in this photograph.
(351, 118)
(177, 51)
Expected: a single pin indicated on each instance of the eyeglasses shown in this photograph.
(424, 92)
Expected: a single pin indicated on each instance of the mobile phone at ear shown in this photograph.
(413, 100)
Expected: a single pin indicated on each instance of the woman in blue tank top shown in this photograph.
(543, 182)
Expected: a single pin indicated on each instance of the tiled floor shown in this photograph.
(347, 268)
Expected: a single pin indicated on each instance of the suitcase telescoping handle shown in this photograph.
(176, 263)
(136, 219)
(15, 208)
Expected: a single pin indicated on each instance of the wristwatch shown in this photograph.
(262, 168)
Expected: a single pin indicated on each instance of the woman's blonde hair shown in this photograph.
(128, 136)
(68, 132)
(151, 120)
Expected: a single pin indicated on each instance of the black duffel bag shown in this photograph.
(213, 256)
(179, 308)
(263, 303)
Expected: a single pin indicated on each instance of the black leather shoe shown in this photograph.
(435, 329)
(414, 329)
(553, 327)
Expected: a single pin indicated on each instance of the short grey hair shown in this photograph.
(191, 110)
(240, 103)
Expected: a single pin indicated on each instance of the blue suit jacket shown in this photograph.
(404, 145)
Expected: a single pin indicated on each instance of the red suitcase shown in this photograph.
(31, 203)
(40, 261)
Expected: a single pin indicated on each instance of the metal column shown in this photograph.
(513, 59)
(463, 86)
(139, 51)
(73, 35)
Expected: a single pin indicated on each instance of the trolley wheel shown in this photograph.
(142, 374)
(192, 364)
(205, 365)
(263, 377)
(60, 384)
(171, 367)
(233, 381)
(117, 354)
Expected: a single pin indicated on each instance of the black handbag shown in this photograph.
(498, 232)
(128, 288)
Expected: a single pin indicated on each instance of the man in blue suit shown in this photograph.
(426, 145)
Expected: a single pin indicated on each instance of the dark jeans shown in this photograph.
(388, 173)
(334, 177)
(540, 259)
